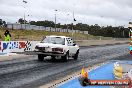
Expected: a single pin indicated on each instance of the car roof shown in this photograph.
(57, 36)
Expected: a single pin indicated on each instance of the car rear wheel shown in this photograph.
(40, 57)
(53, 58)
(76, 55)
(66, 57)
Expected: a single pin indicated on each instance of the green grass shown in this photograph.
(39, 34)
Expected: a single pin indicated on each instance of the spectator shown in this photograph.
(0, 35)
(7, 35)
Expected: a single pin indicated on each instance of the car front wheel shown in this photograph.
(40, 57)
(66, 57)
(76, 55)
(53, 58)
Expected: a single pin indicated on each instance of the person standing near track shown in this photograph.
(7, 35)
(0, 35)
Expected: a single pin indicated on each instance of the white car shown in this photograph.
(130, 74)
(57, 46)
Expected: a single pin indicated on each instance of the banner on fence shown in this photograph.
(16, 46)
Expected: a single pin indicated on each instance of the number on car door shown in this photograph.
(72, 48)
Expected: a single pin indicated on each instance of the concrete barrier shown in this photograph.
(16, 46)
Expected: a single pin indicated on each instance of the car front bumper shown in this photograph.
(50, 53)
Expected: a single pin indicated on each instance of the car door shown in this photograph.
(72, 48)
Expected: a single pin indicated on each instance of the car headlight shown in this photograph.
(36, 47)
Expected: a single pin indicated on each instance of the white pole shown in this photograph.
(24, 21)
(67, 22)
(101, 22)
(55, 22)
(73, 24)
(55, 19)
(24, 13)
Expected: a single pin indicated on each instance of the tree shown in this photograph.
(95, 29)
(1, 23)
(21, 21)
(58, 25)
(32, 22)
(43, 23)
(4, 24)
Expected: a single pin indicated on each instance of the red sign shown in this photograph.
(22, 45)
(109, 82)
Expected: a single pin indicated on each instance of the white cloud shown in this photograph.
(102, 12)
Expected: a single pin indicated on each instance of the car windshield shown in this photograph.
(54, 40)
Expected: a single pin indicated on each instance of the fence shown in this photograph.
(34, 27)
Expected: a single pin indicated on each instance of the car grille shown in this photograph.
(41, 48)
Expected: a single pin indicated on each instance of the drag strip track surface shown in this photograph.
(30, 73)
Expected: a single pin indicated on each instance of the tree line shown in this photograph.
(108, 31)
(3, 23)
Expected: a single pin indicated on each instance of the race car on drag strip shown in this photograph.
(57, 46)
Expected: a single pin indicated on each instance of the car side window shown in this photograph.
(131, 71)
(69, 42)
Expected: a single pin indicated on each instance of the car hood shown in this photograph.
(48, 45)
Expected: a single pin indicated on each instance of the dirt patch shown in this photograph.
(99, 42)
(12, 56)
